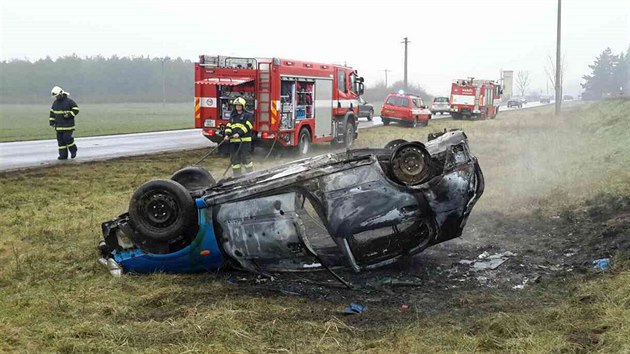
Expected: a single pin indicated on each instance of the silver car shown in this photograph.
(440, 105)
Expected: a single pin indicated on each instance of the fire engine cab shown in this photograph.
(472, 98)
(295, 103)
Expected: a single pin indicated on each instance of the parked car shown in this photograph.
(545, 99)
(405, 108)
(361, 209)
(440, 105)
(365, 109)
(515, 102)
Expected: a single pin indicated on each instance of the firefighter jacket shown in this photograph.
(242, 124)
(62, 114)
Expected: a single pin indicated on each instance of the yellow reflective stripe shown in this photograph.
(240, 126)
(247, 165)
(52, 110)
(75, 107)
(237, 166)
(63, 147)
(238, 140)
(73, 144)
(51, 119)
(228, 130)
(61, 112)
(249, 125)
(229, 125)
(65, 128)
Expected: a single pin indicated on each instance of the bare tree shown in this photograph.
(550, 70)
(522, 82)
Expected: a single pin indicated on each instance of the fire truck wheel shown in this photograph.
(385, 121)
(348, 138)
(304, 142)
(162, 210)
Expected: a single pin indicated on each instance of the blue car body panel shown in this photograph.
(203, 254)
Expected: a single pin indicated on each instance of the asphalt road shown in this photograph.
(37, 153)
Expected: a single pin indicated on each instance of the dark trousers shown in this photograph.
(241, 158)
(65, 142)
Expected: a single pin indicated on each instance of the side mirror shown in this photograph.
(361, 89)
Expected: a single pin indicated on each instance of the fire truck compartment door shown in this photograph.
(323, 107)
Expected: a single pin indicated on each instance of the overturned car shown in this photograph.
(360, 208)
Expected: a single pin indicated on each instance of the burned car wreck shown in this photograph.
(361, 208)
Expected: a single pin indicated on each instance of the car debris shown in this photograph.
(487, 261)
(362, 209)
(354, 309)
(601, 264)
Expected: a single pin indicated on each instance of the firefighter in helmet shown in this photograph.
(62, 114)
(239, 133)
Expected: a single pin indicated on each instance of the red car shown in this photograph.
(405, 108)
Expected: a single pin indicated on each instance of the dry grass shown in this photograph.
(55, 298)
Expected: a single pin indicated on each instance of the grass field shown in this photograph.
(55, 298)
(30, 122)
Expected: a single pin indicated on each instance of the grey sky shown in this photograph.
(449, 38)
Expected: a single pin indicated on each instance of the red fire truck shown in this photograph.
(472, 98)
(295, 103)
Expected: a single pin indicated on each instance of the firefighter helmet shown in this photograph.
(56, 91)
(239, 101)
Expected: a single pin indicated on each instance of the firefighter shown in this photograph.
(62, 114)
(239, 133)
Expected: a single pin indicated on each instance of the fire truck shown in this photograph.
(295, 103)
(472, 98)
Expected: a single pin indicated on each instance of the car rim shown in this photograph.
(160, 209)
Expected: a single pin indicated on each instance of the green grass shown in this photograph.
(29, 122)
(55, 298)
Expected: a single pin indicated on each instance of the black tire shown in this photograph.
(162, 210)
(194, 178)
(304, 142)
(395, 143)
(348, 136)
(385, 121)
(370, 115)
(410, 164)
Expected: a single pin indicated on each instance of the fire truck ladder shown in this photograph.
(264, 95)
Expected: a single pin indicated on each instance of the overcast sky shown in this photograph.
(449, 38)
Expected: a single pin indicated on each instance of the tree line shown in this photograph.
(609, 78)
(98, 79)
(119, 79)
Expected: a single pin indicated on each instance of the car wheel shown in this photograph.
(385, 121)
(194, 178)
(370, 115)
(409, 163)
(348, 138)
(304, 142)
(162, 210)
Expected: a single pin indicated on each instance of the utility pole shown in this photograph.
(163, 85)
(406, 41)
(386, 71)
(558, 67)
